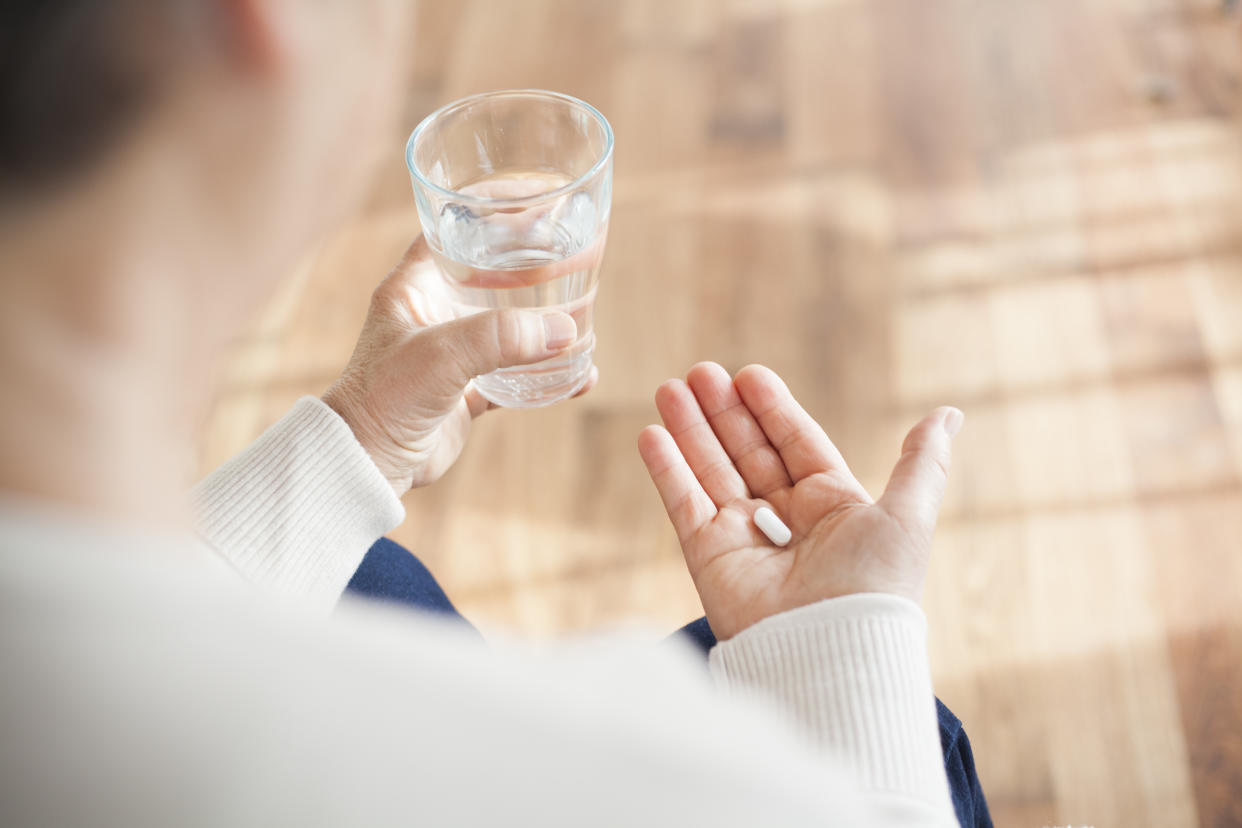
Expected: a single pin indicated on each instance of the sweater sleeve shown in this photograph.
(297, 509)
(853, 674)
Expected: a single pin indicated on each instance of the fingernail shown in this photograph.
(559, 330)
(953, 422)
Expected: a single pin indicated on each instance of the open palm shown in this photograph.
(731, 445)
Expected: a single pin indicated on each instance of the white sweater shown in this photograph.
(144, 683)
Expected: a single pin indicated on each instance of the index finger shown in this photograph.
(801, 442)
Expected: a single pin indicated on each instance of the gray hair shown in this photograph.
(75, 74)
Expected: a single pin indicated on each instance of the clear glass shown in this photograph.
(514, 191)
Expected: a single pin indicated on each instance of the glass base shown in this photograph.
(541, 384)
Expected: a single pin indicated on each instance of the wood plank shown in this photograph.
(897, 204)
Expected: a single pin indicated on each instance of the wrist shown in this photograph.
(729, 620)
(846, 606)
(369, 434)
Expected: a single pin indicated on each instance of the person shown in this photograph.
(172, 662)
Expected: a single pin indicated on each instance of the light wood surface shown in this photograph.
(1031, 209)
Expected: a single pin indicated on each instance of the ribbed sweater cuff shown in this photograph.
(298, 508)
(853, 673)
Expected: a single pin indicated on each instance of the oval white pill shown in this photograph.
(770, 524)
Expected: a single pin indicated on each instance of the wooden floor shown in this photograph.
(1031, 209)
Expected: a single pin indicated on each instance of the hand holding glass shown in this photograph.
(514, 190)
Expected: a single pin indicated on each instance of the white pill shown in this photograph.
(770, 524)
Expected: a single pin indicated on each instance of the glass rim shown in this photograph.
(464, 198)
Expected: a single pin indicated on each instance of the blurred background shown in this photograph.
(1031, 209)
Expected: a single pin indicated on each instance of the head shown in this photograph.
(213, 140)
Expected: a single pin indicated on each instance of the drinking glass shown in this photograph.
(514, 190)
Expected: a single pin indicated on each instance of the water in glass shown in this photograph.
(543, 257)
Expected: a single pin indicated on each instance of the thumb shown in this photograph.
(479, 344)
(916, 486)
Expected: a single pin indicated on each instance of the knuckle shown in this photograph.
(916, 440)
(382, 296)
(380, 304)
(386, 305)
(514, 335)
(508, 327)
(929, 459)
